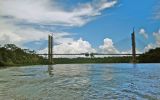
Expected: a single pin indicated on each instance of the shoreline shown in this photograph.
(21, 65)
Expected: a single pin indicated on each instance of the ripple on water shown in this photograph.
(81, 82)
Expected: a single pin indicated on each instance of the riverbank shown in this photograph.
(78, 61)
(92, 60)
(11, 55)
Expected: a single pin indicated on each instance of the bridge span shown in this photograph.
(50, 50)
(93, 54)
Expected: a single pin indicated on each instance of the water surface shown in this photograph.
(81, 82)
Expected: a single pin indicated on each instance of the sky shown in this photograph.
(81, 26)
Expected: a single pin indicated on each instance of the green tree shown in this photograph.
(10, 46)
(87, 54)
(10, 54)
(92, 55)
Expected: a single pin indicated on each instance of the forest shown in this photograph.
(152, 56)
(11, 55)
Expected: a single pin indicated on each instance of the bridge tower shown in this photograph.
(133, 47)
(50, 49)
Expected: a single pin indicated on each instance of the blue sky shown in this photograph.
(117, 23)
(94, 25)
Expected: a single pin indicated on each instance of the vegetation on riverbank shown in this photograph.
(11, 55)
(92, 60)
(152, 56)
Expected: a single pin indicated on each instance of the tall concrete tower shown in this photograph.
(133, 47)
(50, 49)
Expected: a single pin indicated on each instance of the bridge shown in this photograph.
(94, 54)
(51, 54)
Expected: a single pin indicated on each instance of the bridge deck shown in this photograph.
(93, 54)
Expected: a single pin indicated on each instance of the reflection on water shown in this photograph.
(108, 74)
(134, 65)
(81, 82)
(50, 70)
(70, 70)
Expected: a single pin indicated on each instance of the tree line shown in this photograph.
(152, 56)
(10, 55)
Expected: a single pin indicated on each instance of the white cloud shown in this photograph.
(108, 47)
(13, 13)
(42, 12)
(79, 46)
(103, 4)
(154, 45)
(71, 47)
(7, 34)
(157, 37)
(10, 33)
(149, 46)
(143, 33)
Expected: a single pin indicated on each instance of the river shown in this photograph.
(81, 82)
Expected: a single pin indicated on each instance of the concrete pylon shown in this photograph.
(50, 49)
(133, 47)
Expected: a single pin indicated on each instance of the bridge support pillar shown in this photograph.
(133, 47)
(50, 49)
